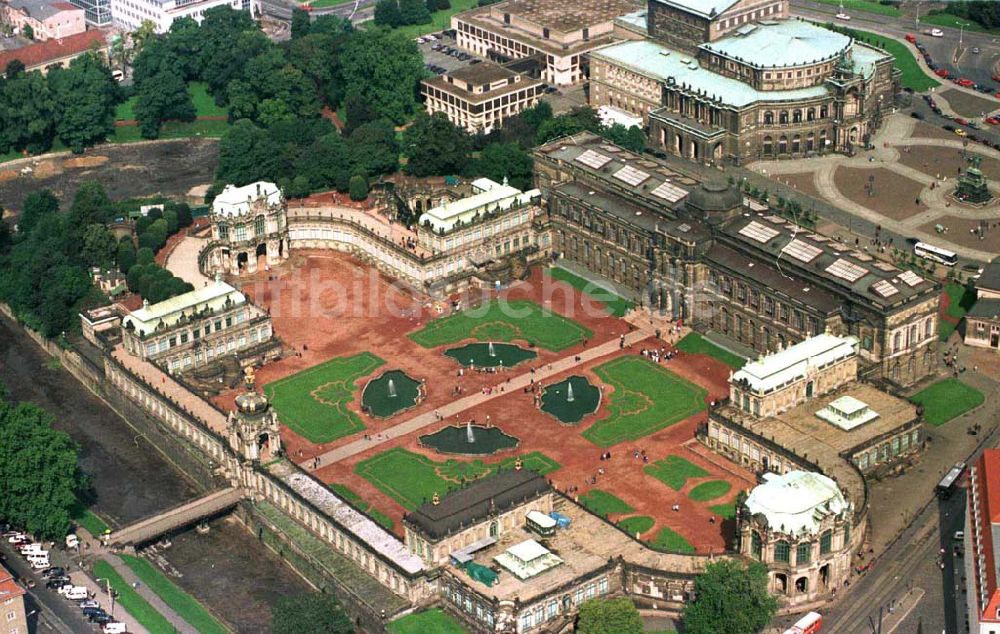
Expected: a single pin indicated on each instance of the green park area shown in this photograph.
(412, 479)
(435, 621)
(947, 399)
(871, 6)
(359, 503)
(313, 403)
(86, 518)
(709, 490)
(618, 306)
(604, 504)
(440, 20)
(913, 76)
(179, 601)
(131, 601)
(693, 343)
(959, 299)
(204, 104)
(950, 20)
(674, 471)
(504, 321)
(669, 540)
(636, 524)
(725, 511)
(646, 398)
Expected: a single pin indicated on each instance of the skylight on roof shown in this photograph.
(756, 231)
(883, 288)
(593, 159)
(802, 251)
(630, 175)
(846, 270)
(669, 192)
(911, 278)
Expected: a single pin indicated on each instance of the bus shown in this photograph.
(811, 623)
(931, 252)
(947, 484)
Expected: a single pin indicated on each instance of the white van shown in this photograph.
(77, 593)
(72, 541)
(31, 549)
(115, 627)
(39, 562)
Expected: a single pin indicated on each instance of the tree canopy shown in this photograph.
(600, 616)
(730, 596)
(39, 474)
(384, 67)
(435, 147)
(310, 614)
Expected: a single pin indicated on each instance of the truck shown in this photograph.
(811, 623)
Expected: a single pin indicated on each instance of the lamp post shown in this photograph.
(111, 594)
(961, 32)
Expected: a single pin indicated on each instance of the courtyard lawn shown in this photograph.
(615, 304)
(440, 20)
(504, 321)
(947, 399)
(636, 524)
(646, 398)
(709, 490)
(172, 130)
(668, 540)
(674, 471)
(412, 479)
(132, 602)
(960, 300)
(914, 76)
(86, 518)
(359, 503)
(725, 511)
(179, 601)
(693, 343)
(204, 104)
(436, 621)
(871, 6)
(603, 503)
(313, 403)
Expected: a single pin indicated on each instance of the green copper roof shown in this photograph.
(781, 44)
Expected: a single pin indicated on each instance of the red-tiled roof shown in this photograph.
(65, 6)
(42, 53)
(8, 587)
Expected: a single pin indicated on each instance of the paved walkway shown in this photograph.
(183, 261)
(893, 136)
(458, 406)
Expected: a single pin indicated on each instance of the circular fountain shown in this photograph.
(490, 355)
(469, 440)
(390, 393)
(571, 399)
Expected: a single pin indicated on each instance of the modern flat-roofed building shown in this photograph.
(561, 33)
(46, 18)
(96, 13)
(481, 96)
(193, 329)
(735, 80)
(982, 535)
(56, 52)
(130, 14)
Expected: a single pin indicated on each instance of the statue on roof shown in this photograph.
(845, 63)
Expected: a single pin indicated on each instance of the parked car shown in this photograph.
(15, 536)
(114, 627)
(992, 120)
(975, 50)
(843, 16)
(93, 610)
(57, 582)
(974, 125)
(949, 128)
(100, 619)
(961, 121)
(936, 33)
(53, 572)
(965, 83)
(89, 604)
(911, 38)
(941, 72)
(961, 132)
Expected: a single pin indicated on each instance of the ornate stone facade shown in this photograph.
(249, 228)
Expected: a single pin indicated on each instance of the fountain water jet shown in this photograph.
(569, 392)
(392, 389)
(469, 434)
(493, 352)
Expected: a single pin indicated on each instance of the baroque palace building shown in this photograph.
(737, 80)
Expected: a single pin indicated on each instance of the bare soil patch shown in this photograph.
(895, 195)
(968, 105)
(85, 161)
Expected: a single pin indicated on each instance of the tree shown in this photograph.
(435, 147)
(358, 187)
(326, 163)
(183, 211)
(414, 12)
(90, 205)
(36, 206)
(165, 96)
(300, 23)
(384, 67)
(505, 160)
(142, 35)
(173, 222)
(246, 155)
(145, 255)
(310, 614)
(358, 112)
(126, 256)
(599, 616)
(28, 32)
(631, 138)
(387, 14)
(730, 596)
(373, 148)
(39, 471)
(99, 246)
(28, 117)
(85, 96)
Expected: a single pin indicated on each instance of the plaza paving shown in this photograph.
(909, 157)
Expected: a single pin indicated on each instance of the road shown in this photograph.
(56, 614)
(358, 11)
(977, 67)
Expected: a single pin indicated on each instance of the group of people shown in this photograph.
(658, 355)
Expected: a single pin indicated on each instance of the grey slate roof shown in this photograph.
(461, 508)
(40, 9)
(985, 309)
(990, 277)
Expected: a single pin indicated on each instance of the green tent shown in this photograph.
(482, 574)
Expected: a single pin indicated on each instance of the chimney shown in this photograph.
(258, 190)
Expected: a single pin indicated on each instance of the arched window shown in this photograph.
(781, 551)
(897, 342)
(803, 553)
(797, 116)
(768, 118)
(223, 231)
(755, 545)
(810, 142)
(768, 146)
(259, 226)
(928, 327)
(783, 145)
(783, 117)
(810, 114)
(823, 112)
(826, 542)
(796, 144)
